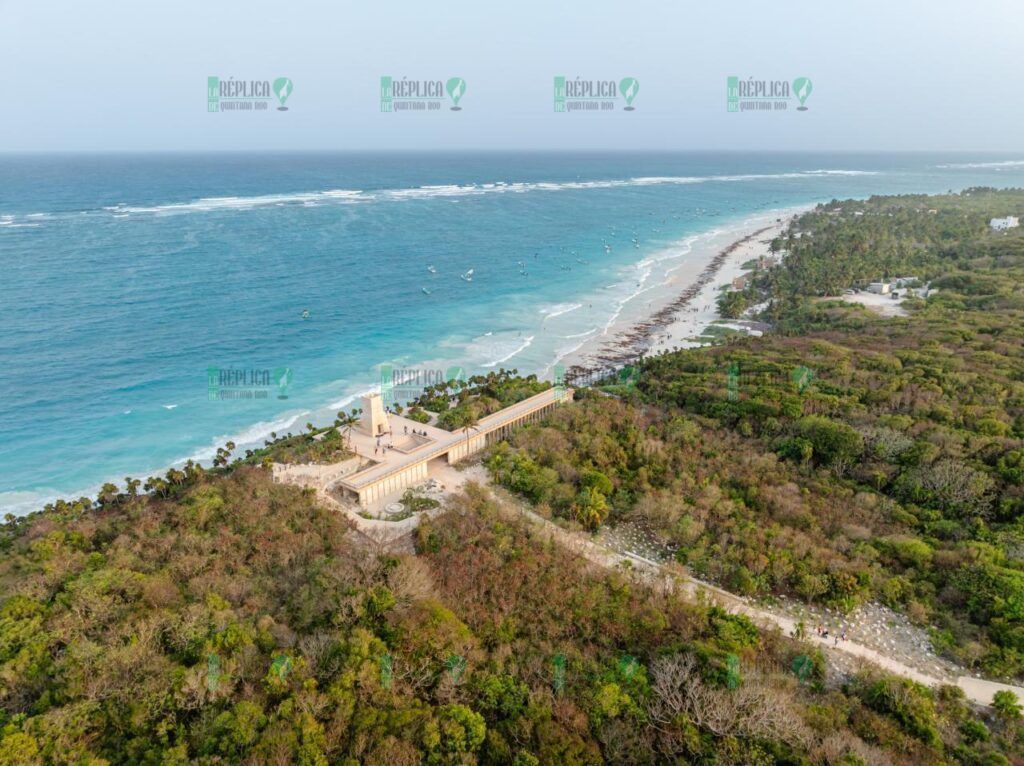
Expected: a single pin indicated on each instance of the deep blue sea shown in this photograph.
(125, 278)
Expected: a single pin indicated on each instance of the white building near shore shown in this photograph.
(1002, 224)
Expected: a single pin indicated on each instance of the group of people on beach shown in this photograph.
(836, 637)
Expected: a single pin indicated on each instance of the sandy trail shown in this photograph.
(977, 690)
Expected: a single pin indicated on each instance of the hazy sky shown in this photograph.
(887, 74)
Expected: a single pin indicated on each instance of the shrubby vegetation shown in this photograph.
(325, 445)
(235, 621)
(844, 457)
(460, 404)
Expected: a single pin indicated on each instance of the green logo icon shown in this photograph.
(802, 377)
(282, 89)
(558, 382)
(456, 666)
(558, 677)
(560, 94)
(802, 88)
(283, 378)
(629, 375)
(629, 87)
(386, 667)
(212, 383)
(213, 94)
(802, 667)
(732, 381)
(387, 383)
(212, 672)
(732, 672)
(628, 666)
(456, 88)
(732, 94)
(281, 666)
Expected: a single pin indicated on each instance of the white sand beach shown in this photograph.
(679, 310)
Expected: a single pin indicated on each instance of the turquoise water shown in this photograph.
(126, 277)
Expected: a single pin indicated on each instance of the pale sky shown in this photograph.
(887, 74)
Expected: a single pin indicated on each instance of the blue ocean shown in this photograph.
(153, 307)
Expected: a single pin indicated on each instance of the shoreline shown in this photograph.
(690, 306)
(708, 260)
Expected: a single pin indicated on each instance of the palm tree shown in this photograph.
(175, 477)
(193, 471)
(157, 485)
(466, 421)
(223, 454)
(348, 421)
(108, 495)
(132, 485)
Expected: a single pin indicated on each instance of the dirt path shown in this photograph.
(977, 690)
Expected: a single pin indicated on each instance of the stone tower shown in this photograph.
(374, 420)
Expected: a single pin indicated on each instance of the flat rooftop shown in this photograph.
(410, 451)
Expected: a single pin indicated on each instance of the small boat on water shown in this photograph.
(431, 269)
(426, 291)
(468, 276)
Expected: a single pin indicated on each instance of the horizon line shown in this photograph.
(498, 150)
